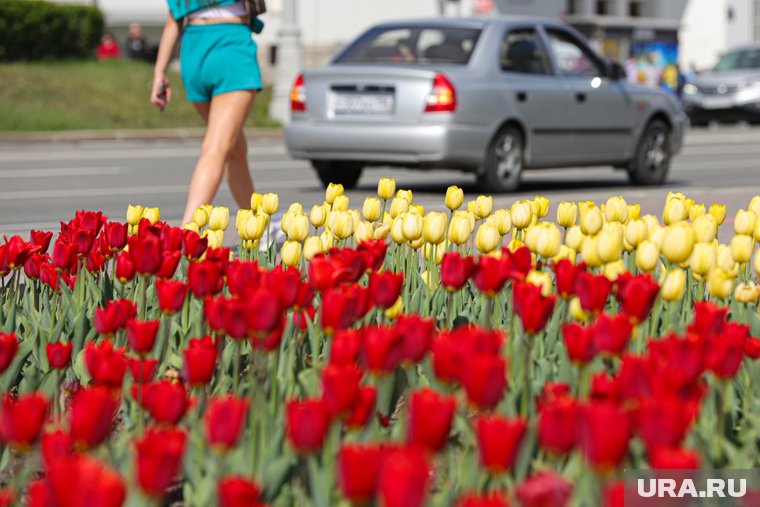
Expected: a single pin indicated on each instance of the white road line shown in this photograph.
(53, 172)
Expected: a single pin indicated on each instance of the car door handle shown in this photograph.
(522, 96)
(580, 97)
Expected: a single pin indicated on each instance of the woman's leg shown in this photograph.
(238, 173)
(226, 115)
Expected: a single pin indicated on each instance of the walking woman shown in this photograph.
(221, 77)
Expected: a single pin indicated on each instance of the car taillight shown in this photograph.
(443, 96)
(298, 95)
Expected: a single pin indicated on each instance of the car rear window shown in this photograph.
(413, 45)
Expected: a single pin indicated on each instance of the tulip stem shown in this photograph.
(56, 400)
(165, 345)
(526, 374)
(143, 295)
(236, 366)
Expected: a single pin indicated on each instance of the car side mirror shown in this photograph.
(616, 72)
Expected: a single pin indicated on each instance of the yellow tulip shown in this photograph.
(332, 191)
(756, 263)
(469, 215)
(548, 241)
(725, 259)
(703, 258)
(483, 206)
(677, 242)
(397, 230)
(705, 228)
(459, 230)
(395, 310)
(744, 223)
(487, 238)
(647, 256)
(287, 217)
(567, 214)
(311, 247)
(270, 203)
(417, 243)
(327, 239)
(434, 227)
(656, 234)
(742, 247)
(134, 214)
(190, 226)
(215, 238)
(719, 212)
(219, 219)
(342, 225)
(636, 231)
(541, 279)
(634, 211)
(514, 244)
(386, 187)
(372, 209)
(412, 226)
(255, 226)
(242, 217)
(589, 252)
(417, 209)
(540, 206)
(616, 209)
(565, 252)
(428, 250)
(317, 216)
(405, 195)
(697, 211)
(574, 237)
(299, 228)
(719, 283)
(756, 232)
(522, 214)
(675, 210)
(340, 203)
(295, 208)
(609, 244)
(591, 220)
(577, 312)
(675, 195)
(454, 197)
(291, 253)
(153, 215)
(673, 284)
(256, 201)
(613, 270)
(363, 231)
(200, 217)
(399, 206)
(747, 292)
(754, 205)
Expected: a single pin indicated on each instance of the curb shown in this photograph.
(74, 136)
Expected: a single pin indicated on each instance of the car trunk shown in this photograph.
(368, 93)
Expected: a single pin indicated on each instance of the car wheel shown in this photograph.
(651, 162)
(503, 163)
(330, 171)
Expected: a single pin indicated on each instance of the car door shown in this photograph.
(539, 97)
(599, 110)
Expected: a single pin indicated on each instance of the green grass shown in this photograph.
(83, 95)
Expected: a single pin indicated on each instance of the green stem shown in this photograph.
(527, 395)
(236, 366)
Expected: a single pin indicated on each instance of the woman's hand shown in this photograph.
(161, 94)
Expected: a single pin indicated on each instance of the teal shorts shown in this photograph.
(218, 58)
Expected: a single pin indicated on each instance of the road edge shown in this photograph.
(73, 136)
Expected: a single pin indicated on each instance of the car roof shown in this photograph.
(470, 22)
(743, 47)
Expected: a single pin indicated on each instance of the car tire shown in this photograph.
(503, 164)
(330, 171)
(651, 162)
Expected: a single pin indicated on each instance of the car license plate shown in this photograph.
(716, 102)
(363, 103)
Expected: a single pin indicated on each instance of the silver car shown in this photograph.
(729, 92)
(489, 96)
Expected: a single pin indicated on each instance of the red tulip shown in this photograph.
(752, 348)
(263, 312)
(224, 421)
(141, 335)
(271, 341)
(116, 236)
(4, 268)
(113, 317)
(145, 251)
(81, 480)
(491, 274)
(532, 307)
(243, 276)
(83, 242)
(604, 387)
(306, 424)
(662, 422)
(614, 495)
(235, 315)
(39, 494)
(372, 253)
(95, 262)
(726, 350)
(456, 270)
(566, 273)
(64, 256)
(385, 288)
(166, 401)
(484, 378)
(285, 283)
(592, 291)
(239, 491)
(340, 307)
(579, 342)
(92, 413)
(213, 310)
(382, 348)
(171, 239)
(489, 500)
(322, 273)
(105, 364)
(450, 348)
(89, 220)
(611, 333)
(159, 456)
(169, 263)
(520, 262)
(41, 239)
(204, 278)
(558, 424)
(8, 349)
(417, 335)
(55, 444)
(404, 478)
(200, 361)
(708, 318)
(545, 489)
(21, 419)
(346, 347)
(58, 354)
(499, 440)
(358, 470)
(19, 251)
(604, 432)
(340, 387)
(143, 370)
(637, 295)
(349, 265)
(33, 266)
(193, 246)
(674, 459)
(430, 418)
(125, 267)
(171, 295)
(362, 409)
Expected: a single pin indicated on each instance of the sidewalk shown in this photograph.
(123, 135)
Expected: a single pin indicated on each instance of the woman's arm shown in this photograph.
(165, 50)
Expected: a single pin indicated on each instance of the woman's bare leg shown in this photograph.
(226, 115)
(238, 173)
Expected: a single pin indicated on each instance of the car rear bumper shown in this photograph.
(439, 145)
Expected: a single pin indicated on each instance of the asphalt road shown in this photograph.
(42, 183)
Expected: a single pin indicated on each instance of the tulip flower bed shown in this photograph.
(475, 358)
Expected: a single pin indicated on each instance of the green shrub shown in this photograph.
(34, 30)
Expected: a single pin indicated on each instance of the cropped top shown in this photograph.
(221, 11)
(180, 9)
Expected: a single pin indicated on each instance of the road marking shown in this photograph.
(52, 172)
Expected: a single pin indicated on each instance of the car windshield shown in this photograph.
(742, 59)
(413, 44)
